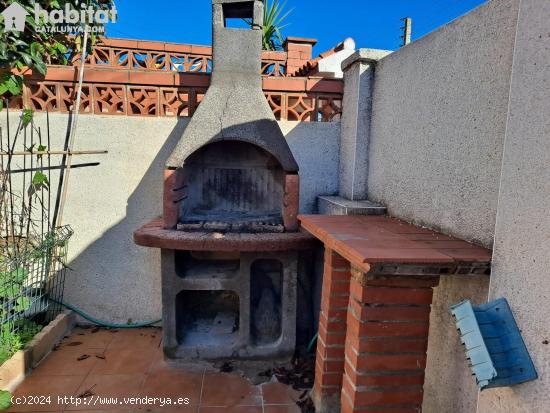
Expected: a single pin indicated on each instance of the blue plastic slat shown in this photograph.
(472, 339)
(493, 344)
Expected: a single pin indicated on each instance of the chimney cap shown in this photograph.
(240, 9)
(236, 1)
(300, 40)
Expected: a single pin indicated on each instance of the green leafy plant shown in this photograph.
(11, 282)
(5, 400)
(10, 345)
(35, 48)
(14, 338)
(274, 16)
(26, 117)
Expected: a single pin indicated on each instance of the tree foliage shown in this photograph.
(35, 48)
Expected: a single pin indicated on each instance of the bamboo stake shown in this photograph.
(51, 168)
(22, 153)
(73, 129)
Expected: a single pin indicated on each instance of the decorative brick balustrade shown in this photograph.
(187, 58)
(143, 93)
(135, 78)
(378, 282)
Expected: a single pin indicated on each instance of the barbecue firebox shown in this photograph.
(232, 169)
(230, 246)
(232, 186)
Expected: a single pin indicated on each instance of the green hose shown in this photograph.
(312, 342)
(104, 323)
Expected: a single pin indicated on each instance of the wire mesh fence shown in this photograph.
(33, 250)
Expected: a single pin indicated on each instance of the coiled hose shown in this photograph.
(104, 323)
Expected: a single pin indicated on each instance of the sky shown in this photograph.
(371, 23)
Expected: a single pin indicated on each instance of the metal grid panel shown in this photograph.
(33, 249)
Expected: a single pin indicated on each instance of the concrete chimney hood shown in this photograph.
(234, 107)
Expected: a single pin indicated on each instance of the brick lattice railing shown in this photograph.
(136, 78)
(187, 58)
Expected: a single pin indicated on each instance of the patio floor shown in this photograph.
(102, 369)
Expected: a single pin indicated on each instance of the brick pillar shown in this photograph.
(299, 51)
(291, 202)
(173, 191)
(332, 333)
(386, 343)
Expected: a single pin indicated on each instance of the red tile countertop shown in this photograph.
(365, 240)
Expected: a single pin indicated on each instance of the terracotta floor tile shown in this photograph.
(160, 363)
(108, 411)
(89, 337)
(289, 408)
(278, 393)
(221, 389)
(112, 386)
(134, 366)
(125, 361)
(233, 409)
(52, 386)
(65, 362)
(139, 337)
(168, 409)
(179, 384)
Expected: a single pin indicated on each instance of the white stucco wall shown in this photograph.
(438, 124)
(111, 278)
(461, 143)
(449, 385)
(439, 114)
(521, 260)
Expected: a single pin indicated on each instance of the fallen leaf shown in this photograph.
(86, 393)
(83, 357)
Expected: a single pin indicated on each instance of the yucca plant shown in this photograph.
(274, 16)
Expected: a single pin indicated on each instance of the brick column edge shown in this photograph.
(291, 202)
(173, 191)
(386, 342)
(330, 356)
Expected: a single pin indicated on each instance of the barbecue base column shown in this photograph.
(332, 333)
(386, 342)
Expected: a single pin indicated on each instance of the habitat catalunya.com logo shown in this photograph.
(66, 20)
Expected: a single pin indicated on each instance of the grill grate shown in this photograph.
(232, 223)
